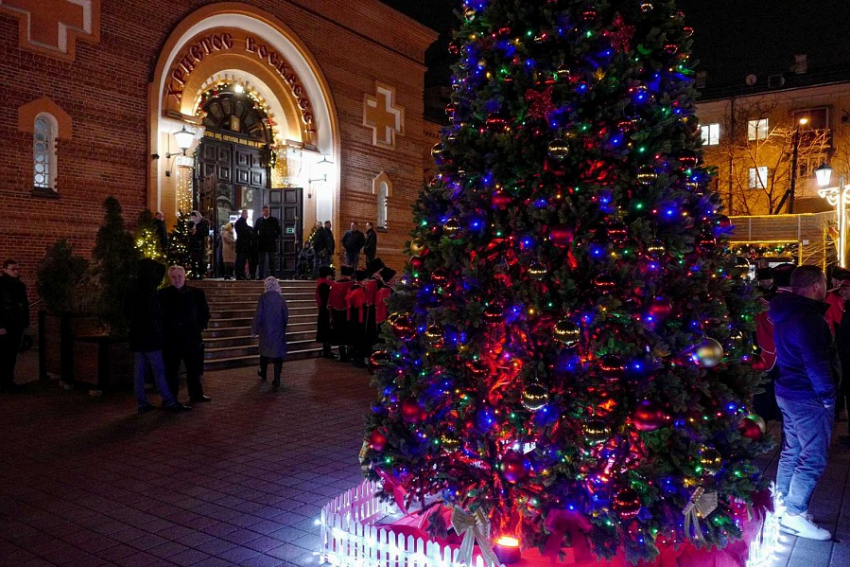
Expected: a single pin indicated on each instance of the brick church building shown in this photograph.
(313, 107)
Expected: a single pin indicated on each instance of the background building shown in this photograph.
(312, 107)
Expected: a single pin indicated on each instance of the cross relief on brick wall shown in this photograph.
(383, 115)
(51, 27)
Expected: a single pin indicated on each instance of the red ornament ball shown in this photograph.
(612, 368)
(752, 427)
(605, 283)
(493, 315)
(376, 361)
(660, 309)
(561, 235)
(377, 440)
(440, 276)
(477, 369)
(648, 416)
(403, 328)
(515, 467)
(410, 410)
(501, 200)
(416, 262)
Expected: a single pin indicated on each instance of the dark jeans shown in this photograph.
(264, 366)
(352, 258)
(807, 427)
(189, 352)
(268, 267)
(321, 259)
(9, 344)
(241, 260)
(152, 360)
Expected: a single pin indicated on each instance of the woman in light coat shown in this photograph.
(228, 250)
(270, 324)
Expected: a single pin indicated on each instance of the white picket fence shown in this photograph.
(351, 538)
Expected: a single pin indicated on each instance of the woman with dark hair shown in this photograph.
(270, 322)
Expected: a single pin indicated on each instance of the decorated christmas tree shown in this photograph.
(147, 240)
(569, 350)
(178, 243)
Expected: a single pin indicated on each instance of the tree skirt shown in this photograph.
(358, 530)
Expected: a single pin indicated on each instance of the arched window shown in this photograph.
(383, 193)
(44, 152)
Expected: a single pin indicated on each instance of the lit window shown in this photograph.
(710, 134)
(44, 152)
(758, 177)
(757, 129)
(383, 193)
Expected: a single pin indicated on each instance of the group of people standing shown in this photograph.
(354, 242)
(351, 310)
(252, 253)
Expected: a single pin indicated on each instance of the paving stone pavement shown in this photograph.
(84, 481)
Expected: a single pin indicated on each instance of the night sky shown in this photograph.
(733, 38)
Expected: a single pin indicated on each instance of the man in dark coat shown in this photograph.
(186, 315)
(323, 322)
(323, 246)
(268, 231)
(146, 336)
(805, 392)
(161, 232)
(352, 243)
(14, 318)
(244, 236)
(338, 303)
(370, 248)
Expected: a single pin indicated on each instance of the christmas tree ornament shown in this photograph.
(563, 73)
(377, 440)
(589, 14)
(660, 309)
(449, 442)
(646, 7)
(626, 503)
(416, 262)
(647, 175)
(648, 416)
(671, 48)
(403, 328)
(377, 360)
(656, 249)
(477, 369)
(440, 276)
(710, 460)
(567, 333)
(708, 353)
(605, 283)
(689, 31)
(501, 200)
(534, 396)
(411, 412)
(537, 271)
(617, 231)
(595, 431)
(497, 122)
(493, 314)
(561, 235)
(707, 242)
(722, 222)
(434, 336)
(688, 159)
(417, 247)
(469, 14)
(752, 427)
(451, 111)
(438, 151)
(612, 368)
(515, 467)
(451, 227)
(559, 149)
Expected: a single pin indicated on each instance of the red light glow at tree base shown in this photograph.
(570, 335)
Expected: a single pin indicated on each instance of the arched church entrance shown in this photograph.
(263, 120)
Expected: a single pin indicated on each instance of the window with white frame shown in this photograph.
(758, 177)
(44, 151)
(757, 129)
(383, 194)
(710, 134)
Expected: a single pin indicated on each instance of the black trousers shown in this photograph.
(9, 344)
(264, 366)
(268, 264)
(241, 260)
(189, 353)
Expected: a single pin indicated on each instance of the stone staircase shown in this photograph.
(228, 341)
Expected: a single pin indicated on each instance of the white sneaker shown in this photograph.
(780, 509)
(800, 526)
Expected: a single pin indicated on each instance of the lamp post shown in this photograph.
(794, 155)
(838, 197)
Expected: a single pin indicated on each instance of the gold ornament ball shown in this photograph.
(537, 271)
(451, 227)
(595, 431)
(535, 396)
(559, 149)
(449, 442)
(567, 332)
(710, 460)
(708, 353)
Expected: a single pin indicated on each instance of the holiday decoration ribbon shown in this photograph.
(701, 504)
(475, 528)
(391, 484)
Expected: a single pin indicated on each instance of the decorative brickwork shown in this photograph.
(383, 116)
(52, 27)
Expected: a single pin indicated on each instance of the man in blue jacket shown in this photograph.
(805, 392)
